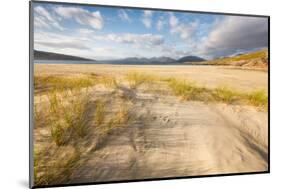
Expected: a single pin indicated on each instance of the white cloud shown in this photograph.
(173, 21)
(44, 19)
(86, 43)
(124, 16)
(82, 16)
(59, 42)
(43, 12)
(85, 32)
(160, 24)
(137, 39)
(185, 30)
(40, 23)
(147, 18)
(147, 13)
(234, 34)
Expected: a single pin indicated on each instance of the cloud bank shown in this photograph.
(82, 16)
(234, 34)
(92, 32)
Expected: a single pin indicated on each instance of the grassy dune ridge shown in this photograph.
(70, 114)
(74, 115)
(189, 90)
(257, 59)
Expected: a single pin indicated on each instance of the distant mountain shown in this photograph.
(162, 59)
(190, 59)
(136, 60)
(42, 55)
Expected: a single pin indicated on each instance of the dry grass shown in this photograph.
(68, 117)
(258, 98)
(250, 56)
(225, 94)
(60, 83)
(99, 112)
(191, 91)
(136, 79)
(119, 119)
(186, 90)
(69, 112)
(109, 82)
(122, 115)
(58, 169)
(262, 55)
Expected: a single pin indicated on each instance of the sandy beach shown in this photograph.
(167, 136)
(210, 76)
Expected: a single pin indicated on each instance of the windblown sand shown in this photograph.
(173, 138)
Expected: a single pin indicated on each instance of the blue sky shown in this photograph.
(112, 33)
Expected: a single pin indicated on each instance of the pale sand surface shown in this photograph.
(209, 76)
(173, 138)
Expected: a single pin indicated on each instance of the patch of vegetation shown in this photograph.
(38, 115)
(225, 94)
(60, 83)
(55, 171)
(190, 91)
(258, 98)
(186, 90)
(120, 118)
(99, 112)
(250, 56)
(135, 79)
(109, 82)
(262, 55)
(68, 114)
(68, 117)
(122, 115)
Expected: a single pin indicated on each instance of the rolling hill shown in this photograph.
(257, 59)
(42, 55)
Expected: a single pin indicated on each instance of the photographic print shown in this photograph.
(124, 94)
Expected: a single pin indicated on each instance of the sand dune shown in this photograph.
(169, 137)
(172, 138)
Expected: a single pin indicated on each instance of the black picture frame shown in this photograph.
(31, 94)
